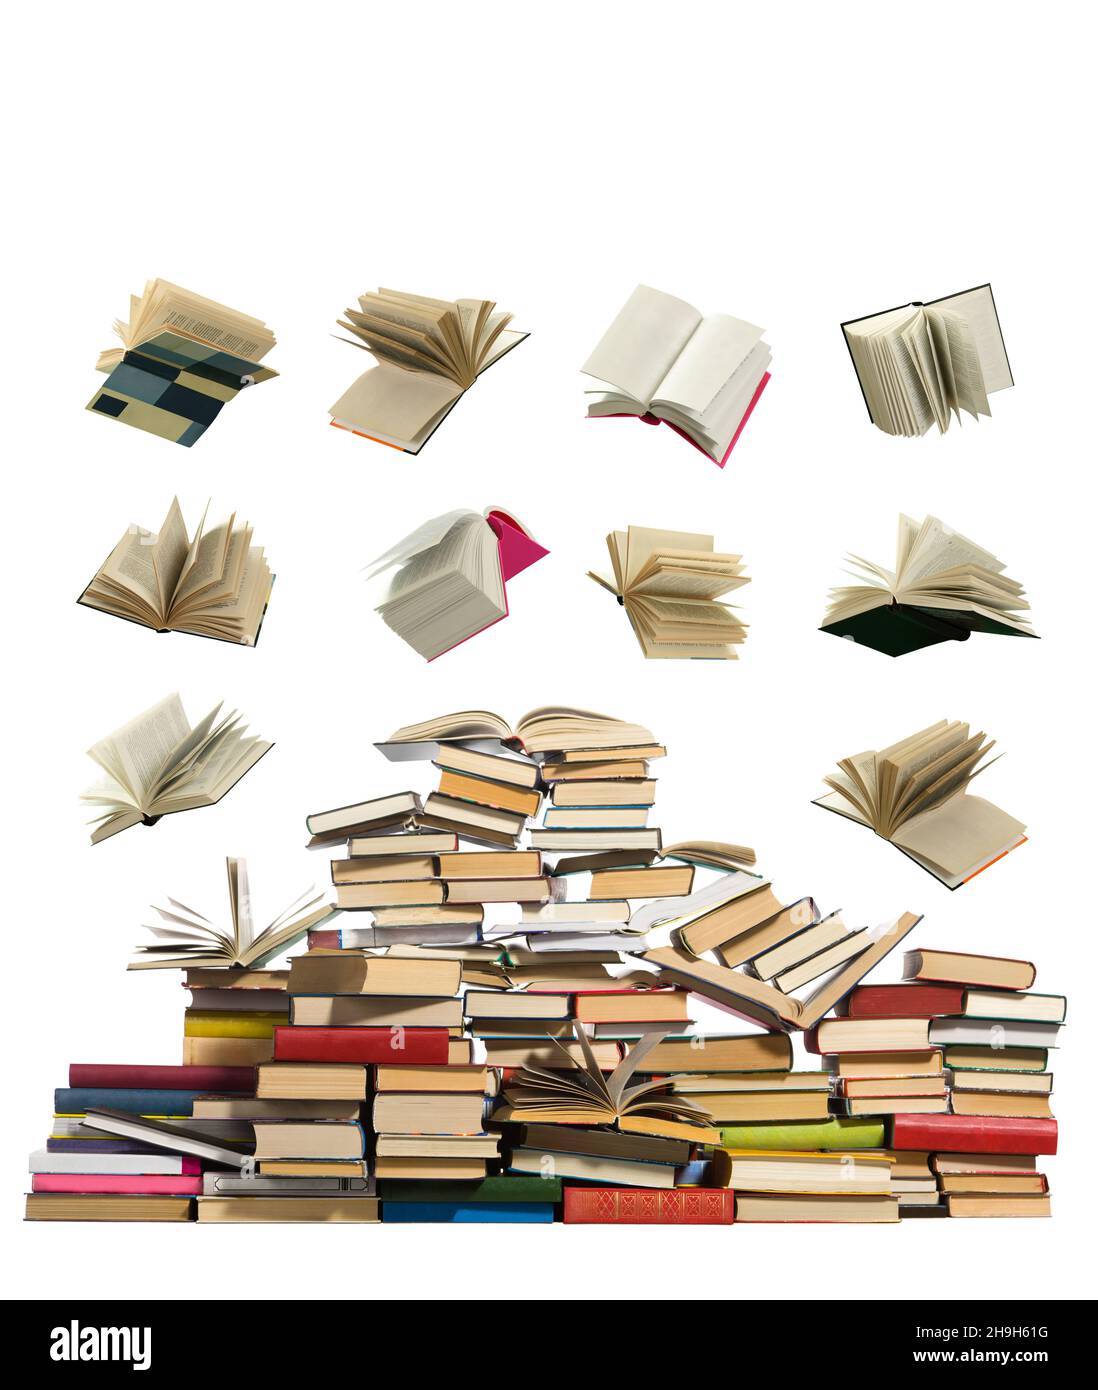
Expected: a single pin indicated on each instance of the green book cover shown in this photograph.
(502, 1188)
(834, 1133)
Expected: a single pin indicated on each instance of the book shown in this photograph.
(516, 1004)
(608, 817)
(848, 1035)
(156, 765)
(102, 1206)
(502, 1187)
(616, 793)
(513, 768)
(428, 353)
(113, 1164)
(351, 973)
(602, 1143)
(915, 795)
(182, 358)
(385, 868)
(669, 583)
(377, 1011)
(449, 579)
(148, 1100)
(761, 1107)
(771, 1170)
(973, 1134)
(975, 1055)
(659, 881)
(362, 818)
(417, 842)
(286, 1207)
(500, 796)
(921, 364)
(765, 1053)
(962, 1204)
(490, 864)
(355, 897)
(310, 1081)
(1014, 1005)
(813, 1207)
(394, 1112)
(136, 1076)
(943, 588)
(627, 1005)
(215, 584)
(146, 1185)
(643, 839)
(962, 968)
(408, 1046)
(630, 1206)
(545, 1051)
(661, 359)
(499, 890)
(992, 1032)
(311, 1139)
(550, 729)
(878, 1065)
(469, 1213)
(472, 820)
(402, 1076)
(189, 939)
(902, 1001)
(593, 1168)
(837, 1133)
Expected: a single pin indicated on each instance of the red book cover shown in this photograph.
(903, 1001)
(325, 940)
(389, 1046)
(646, 1206)
(973, 1134)
(240, 1080)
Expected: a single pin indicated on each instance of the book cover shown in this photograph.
(974, 1134)
(902, 1001)
(471, 1213)
(639, 1206)
(129, 1076)
(388, 1046)
(76, 1100)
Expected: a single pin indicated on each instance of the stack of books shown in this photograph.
(232, 1016)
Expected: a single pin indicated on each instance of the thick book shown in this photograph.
(135, 1076)
(77, 1100)
(974, 1134)
(469, 1213)
(837, 1133)
(428, 353)
(388, 1046)
(183, 358)
(943, 588)
(638, 1206)
(507, 1187)
(902, 1001)
(921, 364)
(662, 360)
(132, 1185)
(106, 1206)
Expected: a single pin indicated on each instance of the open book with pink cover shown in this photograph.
(661, 360)
(449, 578)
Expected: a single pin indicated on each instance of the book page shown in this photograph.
(960, 834)
(977, 308)
(395, 403)
(713, 354)
(644, 541)
(637, 350)
(135, 753)
(964, 360)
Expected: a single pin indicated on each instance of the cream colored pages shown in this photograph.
(643, 542)
(135, 754)
(714, 352)
(395, 403)
(960, 835)
(637, 350)
(977, 308)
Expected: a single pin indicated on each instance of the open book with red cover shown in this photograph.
(450, 576)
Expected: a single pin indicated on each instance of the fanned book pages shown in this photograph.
(429, 352)
(450, 577)
(923, 364)
(943, 587)
(214, 584)
(549, 729)
(669, 583)
(915, 794)
(182, 358)
(661, 359)
(190, 940)
(157, 764)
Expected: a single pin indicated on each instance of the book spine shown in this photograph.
(388, 1046)
(639, 1206)
(221, 1080)
(130, 1186)
(69, 1100)
(904, 1001)
(456, 1213)
(974, 1134)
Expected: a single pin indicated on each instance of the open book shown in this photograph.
(182, 358)
(191, 940)
(921, 364)
(550, 729)
(915, 794)
(451, 580)
(662, 360)
(429, 352)
(581, 1094)
(157, 764)
(214, 585)
(668, 583)
(944, 586)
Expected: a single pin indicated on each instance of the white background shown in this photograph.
(795, 165)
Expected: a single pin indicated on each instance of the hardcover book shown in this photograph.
(636, 1206)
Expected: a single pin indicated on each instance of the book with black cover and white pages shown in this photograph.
(943, 588)
(923, 364)
(156, 765)
(215, 584)
(915, 794)
(428, 351)
(661, 359)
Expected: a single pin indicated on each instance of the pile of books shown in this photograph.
(524, 1031)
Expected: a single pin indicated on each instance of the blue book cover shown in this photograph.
(458, 1213)
(75, 1100)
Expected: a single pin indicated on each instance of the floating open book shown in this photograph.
(182, 358)
(191, 940)
(157, 764)
(944, 586)
(668, 583)
(451, 580)
(429, 352)
(662, 360)
(923, 363)
(550, 729)
(914, 794)
(214, 585)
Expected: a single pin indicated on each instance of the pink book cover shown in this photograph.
(127, 1184)
(655, 420)
(517, 551)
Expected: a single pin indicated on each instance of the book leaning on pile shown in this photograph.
(944, 587)
(214, 584)
(428, 353)
(661, 359)
(182, 358)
